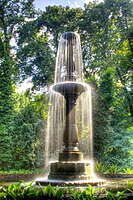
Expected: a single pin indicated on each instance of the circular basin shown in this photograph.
(70, 88)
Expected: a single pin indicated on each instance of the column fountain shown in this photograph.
(70, 166)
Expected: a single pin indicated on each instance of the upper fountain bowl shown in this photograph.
(65, 88)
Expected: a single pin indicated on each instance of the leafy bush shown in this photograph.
(111, 169)
(23, 191)
(99, 167)
(23, 171)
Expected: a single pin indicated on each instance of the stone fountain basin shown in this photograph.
(65, 88)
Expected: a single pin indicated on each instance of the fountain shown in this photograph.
(70, 168)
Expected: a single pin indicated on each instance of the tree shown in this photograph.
(28, 133)
(38, 44)
(59, 19)
(36, 60)
(106, 44)
(12, 14)
(107, 27)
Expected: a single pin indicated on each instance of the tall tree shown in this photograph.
(36, 59)
(28, 131)
(38, 44)
(107, 42)
(12, 14)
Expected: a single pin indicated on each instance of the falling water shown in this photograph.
(55, 126)
(84, 121)
(69, 55)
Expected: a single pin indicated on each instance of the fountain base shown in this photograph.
(70, 173)
(74, 183)
(63, 170)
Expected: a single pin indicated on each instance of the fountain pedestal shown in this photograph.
(68, 171)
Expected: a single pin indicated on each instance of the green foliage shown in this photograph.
(128, 171)
(106, 34)
(13, 14)
(111, 169)
(36, 59)
(99, 167)
(88, 193)
(22, 191)
(5, 155)
(118, 195)
(23, 171)
(36, 52)
(25, 145)
(106, 89)
(29, 131)
(112, 129)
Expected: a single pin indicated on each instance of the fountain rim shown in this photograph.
(70, 87)
(72, 82)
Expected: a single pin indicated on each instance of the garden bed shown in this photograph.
(18, 177)
(117, 175)
(29, 177)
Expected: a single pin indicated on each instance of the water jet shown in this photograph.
(69, 129)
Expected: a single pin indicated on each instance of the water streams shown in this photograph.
(69, 58)
(56, 125)
(69, 132)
